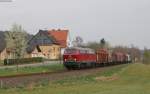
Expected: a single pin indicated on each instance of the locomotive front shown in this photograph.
(76, 57)
(70, 57)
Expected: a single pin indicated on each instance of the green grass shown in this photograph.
(28, 70)
(131, 79)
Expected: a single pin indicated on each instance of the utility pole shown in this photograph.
(15, 51)
(60, 54)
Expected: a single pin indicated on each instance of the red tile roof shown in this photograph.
(60, 36)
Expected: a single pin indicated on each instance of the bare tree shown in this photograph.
(16, 41)
(97, 45)
(104, 44)
(135, 52)
(94, 45)
(78, 41)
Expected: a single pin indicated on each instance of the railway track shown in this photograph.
(48, 73)
(31, 74)
(25, 79)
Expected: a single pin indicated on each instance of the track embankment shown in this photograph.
(21, 80)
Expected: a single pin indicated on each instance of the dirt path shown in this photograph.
(24, 80)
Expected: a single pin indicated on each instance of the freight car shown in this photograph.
(77, 58)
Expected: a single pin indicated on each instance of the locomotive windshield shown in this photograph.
(70, 51)
(79, 51)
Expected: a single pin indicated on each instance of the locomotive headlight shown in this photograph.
(75, 59)
(65, 60)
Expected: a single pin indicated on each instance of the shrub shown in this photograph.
(23, 61)
(146, 57)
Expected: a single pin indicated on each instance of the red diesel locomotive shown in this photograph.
(76, 57)
(79, 57)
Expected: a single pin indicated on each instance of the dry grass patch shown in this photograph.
(109, 78)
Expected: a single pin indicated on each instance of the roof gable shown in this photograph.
(60, 35)
(41, 38)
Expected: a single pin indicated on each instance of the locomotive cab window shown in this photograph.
(83, 51)
(70, 51)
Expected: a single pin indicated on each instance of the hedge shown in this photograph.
(23, 61)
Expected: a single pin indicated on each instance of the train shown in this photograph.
(80, 58)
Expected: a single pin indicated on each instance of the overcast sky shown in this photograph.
(121, 22)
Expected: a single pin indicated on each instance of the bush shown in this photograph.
(23, 61)
(146, 57)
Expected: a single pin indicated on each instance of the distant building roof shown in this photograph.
(60, 36)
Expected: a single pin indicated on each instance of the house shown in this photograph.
(43, 45)
(62, 37)
(49, 44)
(2, 46)
(5, 52)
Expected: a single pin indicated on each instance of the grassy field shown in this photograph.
(126, 79)
(28, 70)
